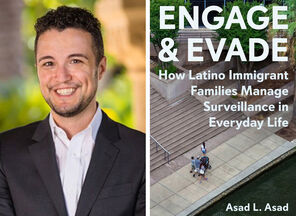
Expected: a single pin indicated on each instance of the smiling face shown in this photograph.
(67, 70)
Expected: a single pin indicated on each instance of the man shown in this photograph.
(203, 148)
(77, 161)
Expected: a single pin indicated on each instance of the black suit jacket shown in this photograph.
(30, 183)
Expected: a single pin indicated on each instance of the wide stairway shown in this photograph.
(180, 125)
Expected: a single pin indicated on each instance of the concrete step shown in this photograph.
(158, 105)
(160, 112)
(190, 132)
(181, 126)
(173, 120)
(157, 131)
(176, 150)
(189, 140)
(156, 99)
(154, 96)
(159, 161)
(180, 109)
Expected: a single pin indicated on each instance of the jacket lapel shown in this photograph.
(103, 157)
(43, 153)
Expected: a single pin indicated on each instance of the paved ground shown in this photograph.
(232, 161)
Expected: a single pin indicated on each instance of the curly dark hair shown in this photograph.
(70, 17)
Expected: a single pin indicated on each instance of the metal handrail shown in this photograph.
(166, 152)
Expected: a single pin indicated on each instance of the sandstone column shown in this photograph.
(10, 39)
(124, 30)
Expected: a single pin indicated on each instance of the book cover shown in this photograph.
(222, 107)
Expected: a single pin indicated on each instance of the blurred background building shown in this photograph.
(122, 91)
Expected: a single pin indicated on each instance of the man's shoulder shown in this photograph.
(130, 134)
(19, 133)
(133, 140)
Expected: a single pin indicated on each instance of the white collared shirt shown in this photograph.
(73, 158)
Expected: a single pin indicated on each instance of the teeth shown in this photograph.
(67, 91)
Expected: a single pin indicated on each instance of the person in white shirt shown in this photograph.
(203, 148)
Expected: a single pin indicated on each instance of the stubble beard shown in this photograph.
(77, 108)
(72, 111)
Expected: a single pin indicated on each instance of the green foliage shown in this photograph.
(157, 34)
(20, 103)
(116, 100)
(291, 32)
(291, 16)
(170, 68)
(235, 31)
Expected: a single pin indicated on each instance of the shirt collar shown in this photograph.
(94, 124)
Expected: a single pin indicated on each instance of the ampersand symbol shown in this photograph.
(166, 49)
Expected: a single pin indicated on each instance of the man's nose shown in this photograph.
(63, 74)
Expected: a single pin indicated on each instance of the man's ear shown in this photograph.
(102, 67)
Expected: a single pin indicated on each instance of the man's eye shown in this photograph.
(48, 64)
(75, 61)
